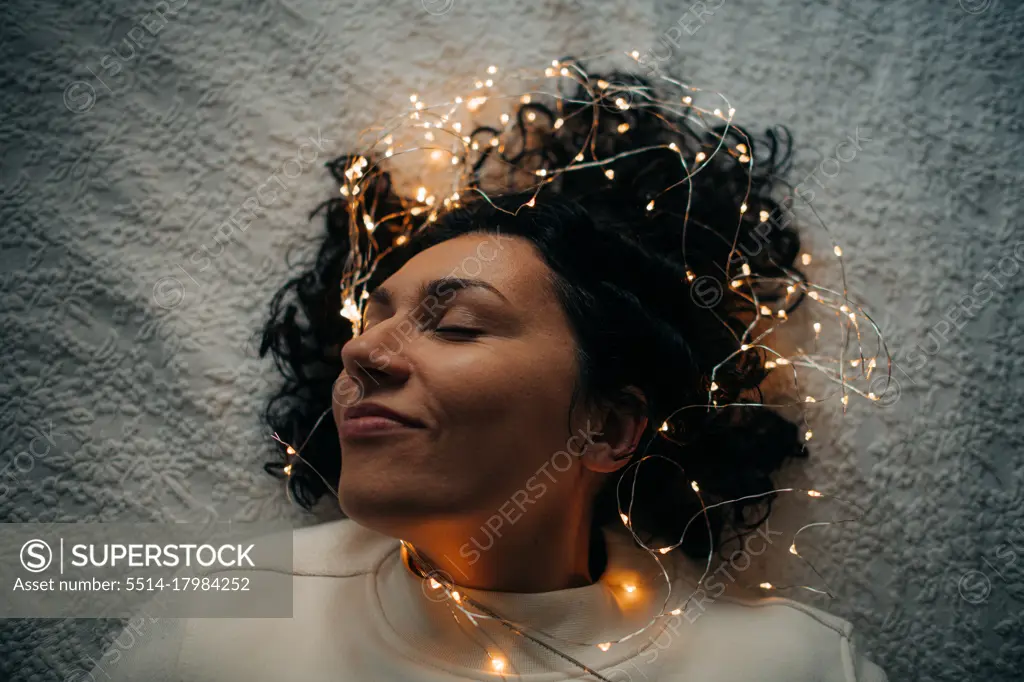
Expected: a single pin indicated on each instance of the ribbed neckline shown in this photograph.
(422, 623)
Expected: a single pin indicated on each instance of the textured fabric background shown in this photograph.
(148, 380)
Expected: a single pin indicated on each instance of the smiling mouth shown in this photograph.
(371, 426)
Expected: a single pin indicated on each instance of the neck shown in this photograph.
(521, 558)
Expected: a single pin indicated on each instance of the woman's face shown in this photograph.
(493, 402)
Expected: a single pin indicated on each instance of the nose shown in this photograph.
(377, 356)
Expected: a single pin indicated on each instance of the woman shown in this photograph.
(516, 357)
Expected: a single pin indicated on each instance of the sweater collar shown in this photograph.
(423, 622)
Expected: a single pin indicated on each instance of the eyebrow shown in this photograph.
(436, 287)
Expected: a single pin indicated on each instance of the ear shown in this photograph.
(613, 433)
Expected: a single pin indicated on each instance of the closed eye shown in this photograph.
(462, 331)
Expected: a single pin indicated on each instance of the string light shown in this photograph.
(404, 224)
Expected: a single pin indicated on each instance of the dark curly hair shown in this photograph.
(624, 276)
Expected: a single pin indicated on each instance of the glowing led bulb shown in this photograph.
(808, 435)
(421, 194)
(765, 310)
(673, 146)
(434, 584)
(767, 586)
(287, 469)
(810, 399)
(838, 251)
(629, 588)
(532, 202)
(806, 259)
(845, 400)
(621, 103)
(687, 99)
(770, 364)
(665, 550)
(625, 519)
(610, 174)
(650, 205)
(664, 426)
(457, 597)
(763, 215)
(290, 450)
(676, 612)
(792, 549)
(700, 157)
(559, 123)
(814, 295)
(604, 646)
(714, 386)
(623, 127)
(817, 327)
(498, 664)
(743, 208)
(813, 493)
(696, 488)
(746, 268)
(492, 69)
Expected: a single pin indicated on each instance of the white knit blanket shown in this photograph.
(132, 131)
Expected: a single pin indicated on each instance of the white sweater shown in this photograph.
(360, 614)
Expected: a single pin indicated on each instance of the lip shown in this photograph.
(361, 427)
(369, 419)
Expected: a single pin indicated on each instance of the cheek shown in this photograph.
(511, 401)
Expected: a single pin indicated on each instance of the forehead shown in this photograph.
(511, 264)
